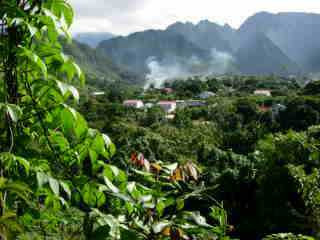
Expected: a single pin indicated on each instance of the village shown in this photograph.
(201, 100)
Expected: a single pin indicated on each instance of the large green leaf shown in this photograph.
(64, 11)
(54, 185)
(66, 88)
(160, 226)
(65, 188)
(42, 179)
(92, 196)
(110, 185)
(13, 111)
(34, 59)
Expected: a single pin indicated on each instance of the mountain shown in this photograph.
(137, 50)
(266, 43)
(99, 68)
(296, 34)
(259, 55)
(92, 38)
(205, 34)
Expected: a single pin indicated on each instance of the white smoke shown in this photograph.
(173, 68)
(160, 72)
(221, 62)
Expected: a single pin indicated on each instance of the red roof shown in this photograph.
(264, 108)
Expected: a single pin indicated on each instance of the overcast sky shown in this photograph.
(126, 16)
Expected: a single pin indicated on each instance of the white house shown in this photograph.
(148, 105)
(98, 93)
(263, 92)
(181, 103)
(206, 95)
(168, 106)
(133, 103)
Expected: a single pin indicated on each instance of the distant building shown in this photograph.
(263, 92)
(170, 116)
(181, 103)
(195, 103)
(133, 103)
(168, 106)
(98, 93)
(206, 95)
(264, 108)
(148, 105)
(167, 90)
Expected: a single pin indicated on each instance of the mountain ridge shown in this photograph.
(93, 38)
(292, 38)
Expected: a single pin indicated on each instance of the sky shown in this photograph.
(122, 17)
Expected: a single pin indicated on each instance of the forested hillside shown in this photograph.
(99, 68)
(259, 55)
(136, 50)
(92, 39)
(286, 41)
(296, 34)
(198, 158)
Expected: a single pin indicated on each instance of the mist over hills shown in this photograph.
(99, 68)
(136, 50)
(93, 38)
(259, 55)
(296, 34)
(283, 44)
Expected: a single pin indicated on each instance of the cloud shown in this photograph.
(126, 16)
(106, 15)
(105, 8)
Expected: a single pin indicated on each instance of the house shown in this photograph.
(195, 103)
(206, 95)
(170, 116)
(167, 90)
(148, 105)
(168, 106)
(264, 108)
(133, 103)
(181, 103)
(98, 93)
(263, 92)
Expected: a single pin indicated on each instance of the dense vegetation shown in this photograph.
(241, 166)
(57, 177)
(99, 69)
(259, 155)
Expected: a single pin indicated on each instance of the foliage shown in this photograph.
(99, 69)
(312, 88)
(264, 174)
(56, 176)
(288, 236)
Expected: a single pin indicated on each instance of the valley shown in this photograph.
(195, 131)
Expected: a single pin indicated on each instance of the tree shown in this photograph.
(69, 186)
(300, 114)
(312, 88)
